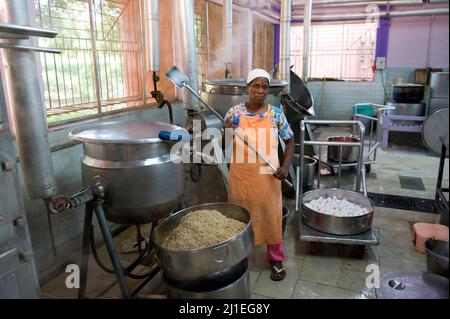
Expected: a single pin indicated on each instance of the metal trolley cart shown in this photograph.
(315, 236)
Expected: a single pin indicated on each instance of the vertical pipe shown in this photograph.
(22, 79)
(95, 63)
(228, 35)
(276, 46)
(143, 48)
(152, 35)
(184, 16)
(306, 39)
(285, 30)
(207, 36)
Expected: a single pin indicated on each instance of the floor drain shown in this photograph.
(396, 284)
(405, 203)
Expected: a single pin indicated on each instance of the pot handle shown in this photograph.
(221, 253)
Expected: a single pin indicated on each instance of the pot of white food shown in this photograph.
(337, 211)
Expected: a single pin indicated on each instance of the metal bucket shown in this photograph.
(349, 153)
(437, 256)
(238, 288)
(333, 224)
(195, 264)
(309, 169)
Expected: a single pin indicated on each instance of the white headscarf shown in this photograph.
(257, 73)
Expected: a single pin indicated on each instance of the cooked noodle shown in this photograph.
(202, 228)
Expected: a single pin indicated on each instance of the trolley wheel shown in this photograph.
(359, 250)
(196, 173)
(368, 168)
(313, 247)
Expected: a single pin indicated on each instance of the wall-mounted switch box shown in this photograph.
(381, 63)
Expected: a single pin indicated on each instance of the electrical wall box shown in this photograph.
(381, 63)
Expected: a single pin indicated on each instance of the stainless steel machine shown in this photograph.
(18, 277)
(131, 176)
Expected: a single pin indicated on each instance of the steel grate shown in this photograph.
(404, 202)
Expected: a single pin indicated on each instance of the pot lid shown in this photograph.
(413, 285)
(435, 126)
(133, 132)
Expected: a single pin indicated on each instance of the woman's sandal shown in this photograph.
(278, 273)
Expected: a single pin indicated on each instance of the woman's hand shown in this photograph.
(281, 173)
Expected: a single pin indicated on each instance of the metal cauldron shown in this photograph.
(333, 224)
(349, 153)
(233, 285)
(144, 184)
(223, 94)
(408, 93)
(437, 256)
(205, 263)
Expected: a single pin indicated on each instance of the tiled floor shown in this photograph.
(333, 271)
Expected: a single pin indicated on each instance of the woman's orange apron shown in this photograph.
(259, 193)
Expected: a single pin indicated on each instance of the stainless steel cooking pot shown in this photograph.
(195, 264)
(144, 182)
(333, 224)
(223, 94)
(309, 169)
(408, 93)
(236, 287)
(410, 109)
(437, 256)
(349, 153)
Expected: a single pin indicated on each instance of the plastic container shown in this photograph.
(364, 109)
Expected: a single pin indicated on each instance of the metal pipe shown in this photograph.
(22, 79)
(207, 36)
(362, 16)
(307, 40)
(29, 48)
(152, 35)
(355, 3)
(143, 60)
(184, 15)
(95, 62)
(285, 30)
(26, 30)
(228, 35)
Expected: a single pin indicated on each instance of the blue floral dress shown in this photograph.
(278, 119)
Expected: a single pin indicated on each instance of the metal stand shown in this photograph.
(439, 190)
(314, 236)
(113, 255)
(339, 165)
(93, 198)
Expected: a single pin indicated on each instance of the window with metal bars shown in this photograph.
(341, 51)
(100, 67)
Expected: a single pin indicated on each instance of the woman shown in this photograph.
(248, 184)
